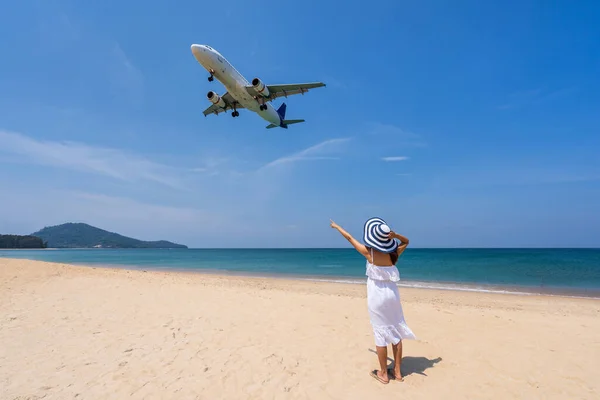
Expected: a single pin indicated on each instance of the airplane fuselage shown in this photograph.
(233, 81)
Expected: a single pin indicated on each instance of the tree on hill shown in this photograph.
(21, 242)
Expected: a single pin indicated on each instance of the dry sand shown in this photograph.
(95, 333)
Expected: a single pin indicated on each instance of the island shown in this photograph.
(81, 235)
(21, 242)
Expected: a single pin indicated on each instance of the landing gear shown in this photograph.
(261, 103)
(211, 77)
(235, 114)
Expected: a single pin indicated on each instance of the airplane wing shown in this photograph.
(286, 90)
(215, 109)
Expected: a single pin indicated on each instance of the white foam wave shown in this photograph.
(452, 287)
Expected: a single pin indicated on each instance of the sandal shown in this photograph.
(374, 375)
(392, 376)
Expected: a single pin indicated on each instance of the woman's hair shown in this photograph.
(394, 257)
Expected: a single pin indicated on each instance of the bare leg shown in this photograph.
(382, 356)
(397, 360)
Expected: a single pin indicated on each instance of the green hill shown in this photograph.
(79, 235)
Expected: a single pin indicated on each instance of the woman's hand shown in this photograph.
(401, 238)
(358, 246)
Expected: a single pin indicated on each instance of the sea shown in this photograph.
(563, 272)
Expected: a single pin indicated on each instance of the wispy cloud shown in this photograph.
(521, 98)
(396, 158)
(139, 218)
(62, 35)
(533, 96)
(395, 135)
(127, 64)
(567, 178)
(126, 78)
(495, 176)
(211, 166)
(135, 210)
(316, 152)
(114, 163)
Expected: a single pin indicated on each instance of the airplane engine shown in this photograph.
(215, 99)
(260, 87)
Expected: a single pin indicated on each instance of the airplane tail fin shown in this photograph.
(285, 123)
(281, 111)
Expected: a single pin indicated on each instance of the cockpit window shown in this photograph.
(208, 47)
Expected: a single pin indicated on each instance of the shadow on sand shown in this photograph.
(413, 365)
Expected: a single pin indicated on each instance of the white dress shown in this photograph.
(385, 308)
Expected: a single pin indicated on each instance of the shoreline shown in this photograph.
(517, 290)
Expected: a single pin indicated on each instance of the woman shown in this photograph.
(383, 298)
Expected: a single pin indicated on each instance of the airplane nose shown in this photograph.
(196, 49)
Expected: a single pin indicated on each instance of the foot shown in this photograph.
(380, 376)
(398, 375)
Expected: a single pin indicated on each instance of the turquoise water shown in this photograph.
(561, 271)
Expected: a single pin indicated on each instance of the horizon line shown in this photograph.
(305, 248)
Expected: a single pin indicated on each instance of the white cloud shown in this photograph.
(397, 158)
(62, 35)
(534, 96)
(521, 98)
(394, 135)
(379, 128)
(114, 163)
(211, 165)
(126, 78)
(528, 176)
(127, 64)
(124, 208)
(316, 152)
(124, 215)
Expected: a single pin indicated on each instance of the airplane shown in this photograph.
(255, 96)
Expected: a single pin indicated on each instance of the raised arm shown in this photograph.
(361, 248)
(403, 242)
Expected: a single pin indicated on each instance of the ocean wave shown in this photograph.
(459, 287)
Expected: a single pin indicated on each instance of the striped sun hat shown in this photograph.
(377, 236)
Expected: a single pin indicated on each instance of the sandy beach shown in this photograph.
(98, 333)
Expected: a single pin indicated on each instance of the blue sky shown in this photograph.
(464, 124)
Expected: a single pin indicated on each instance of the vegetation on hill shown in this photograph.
(21, 242)
(80, 235)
